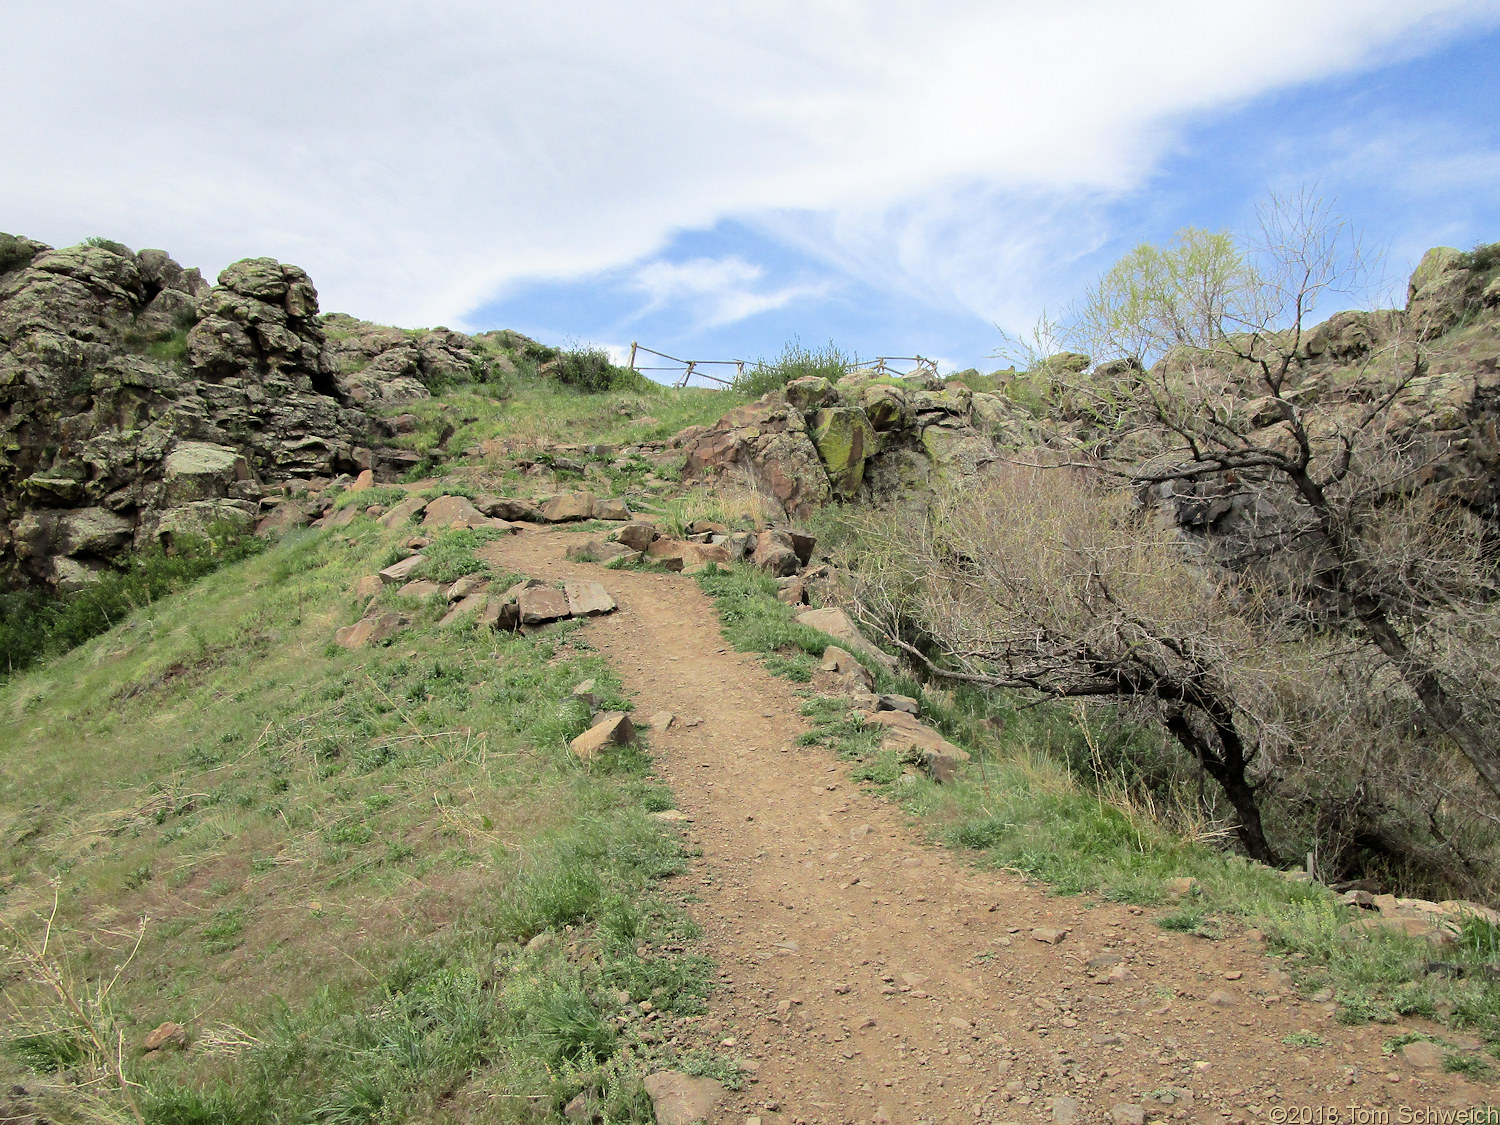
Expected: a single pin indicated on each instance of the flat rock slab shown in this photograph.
(611, 510)
(588, 599)
(637, 535)
(613, 729)
(680, 1099)
(401, 571)
(540, 604)
(463, 608)
(403, 512)
(420, 589)
(371, 630)
(569, 506)
(836, 623)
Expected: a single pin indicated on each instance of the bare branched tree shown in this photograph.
(1305, 455)
(1044, 582)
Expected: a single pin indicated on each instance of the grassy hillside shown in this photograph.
(374, 884)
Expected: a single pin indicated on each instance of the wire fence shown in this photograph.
(682, 372)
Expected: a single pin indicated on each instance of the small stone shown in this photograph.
(881, 1116)
(613, 729)
(1120, 974)
(1233, 975)
(167, 1035)
(1051, 935)
(401, 571)
(611, 510)
(1222, 999)
(468, 584)
(662, 721)
(370, 630)
(1064, 1110)
(367, 587)
(540, 604)
(1182, 887)
(421, 588)
(1127, 1113)
(1279, 979)
(582, 1107)
(588, 599)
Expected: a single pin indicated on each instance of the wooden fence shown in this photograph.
(684, 371)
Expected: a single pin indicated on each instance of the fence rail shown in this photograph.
(688, 369)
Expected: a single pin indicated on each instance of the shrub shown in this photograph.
(795, 362)
(585, 369)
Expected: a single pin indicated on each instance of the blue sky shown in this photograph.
(1410, 151)
(714, 180)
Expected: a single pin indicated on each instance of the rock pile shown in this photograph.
(1439, 923)
(525, 607)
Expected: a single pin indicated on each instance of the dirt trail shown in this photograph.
(871, 977)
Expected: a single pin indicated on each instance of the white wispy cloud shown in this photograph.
(715, 291)
(420, 159)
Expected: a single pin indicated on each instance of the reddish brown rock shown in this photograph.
(371, 630)
(167, 1035)
(588, 599)
(540, 604)
(401, 571)
(451, 511)
(767, 441)
(636, 535)
(568, 507)
(403, 513)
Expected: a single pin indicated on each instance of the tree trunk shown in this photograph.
(1423, 679)
(1229, 771)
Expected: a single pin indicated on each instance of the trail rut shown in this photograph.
(869, 976)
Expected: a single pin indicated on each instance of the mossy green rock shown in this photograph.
(884, 406)
(843, 437)
(810, 393)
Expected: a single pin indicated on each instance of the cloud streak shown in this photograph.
(422, 159)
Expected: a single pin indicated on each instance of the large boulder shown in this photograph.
(768, 442)
(844, 438)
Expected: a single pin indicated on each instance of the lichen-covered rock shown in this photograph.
(811, 392)
(844, 438)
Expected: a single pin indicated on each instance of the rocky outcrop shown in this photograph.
(138, 402)
(866, 437)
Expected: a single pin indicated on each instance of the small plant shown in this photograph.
(1304, 1039)
(108, 244)
(1467, 1063)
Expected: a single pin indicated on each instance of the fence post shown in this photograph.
(632, 355)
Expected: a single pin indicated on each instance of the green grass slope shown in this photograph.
(372, 885)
